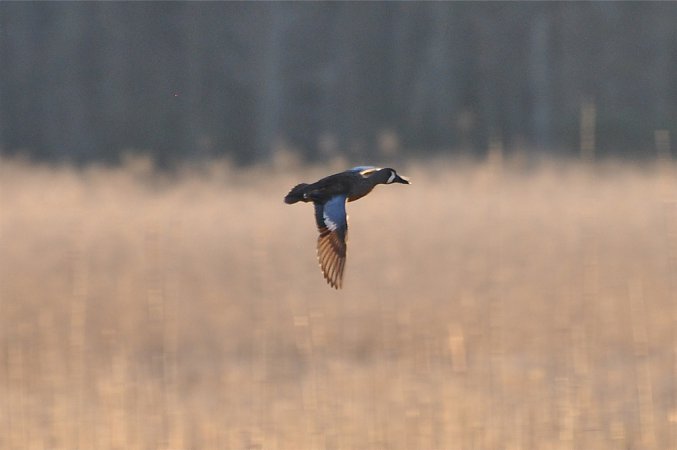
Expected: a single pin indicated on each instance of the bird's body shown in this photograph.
(329, 196)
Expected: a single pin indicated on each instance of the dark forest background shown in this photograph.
(183, 81)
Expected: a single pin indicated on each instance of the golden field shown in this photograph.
(486, 306)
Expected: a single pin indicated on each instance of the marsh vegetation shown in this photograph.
(485, 306)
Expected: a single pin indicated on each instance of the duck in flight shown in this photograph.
(329, 195)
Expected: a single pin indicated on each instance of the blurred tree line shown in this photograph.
(183, 80)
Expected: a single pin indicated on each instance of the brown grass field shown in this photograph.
(485, 306)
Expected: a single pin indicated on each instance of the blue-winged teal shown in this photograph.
(329, 196)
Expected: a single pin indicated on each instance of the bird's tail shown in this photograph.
(296, 194)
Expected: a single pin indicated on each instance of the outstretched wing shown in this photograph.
(331, 244)
(365, 171)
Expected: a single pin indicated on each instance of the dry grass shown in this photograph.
(483, 308)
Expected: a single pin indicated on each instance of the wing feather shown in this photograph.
(332, 224)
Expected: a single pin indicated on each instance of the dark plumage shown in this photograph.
(329, 195)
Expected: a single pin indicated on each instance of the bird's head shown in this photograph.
(393, 177)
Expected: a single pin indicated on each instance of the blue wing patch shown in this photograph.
(332, 214)
(361, 168)
(364, 170)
